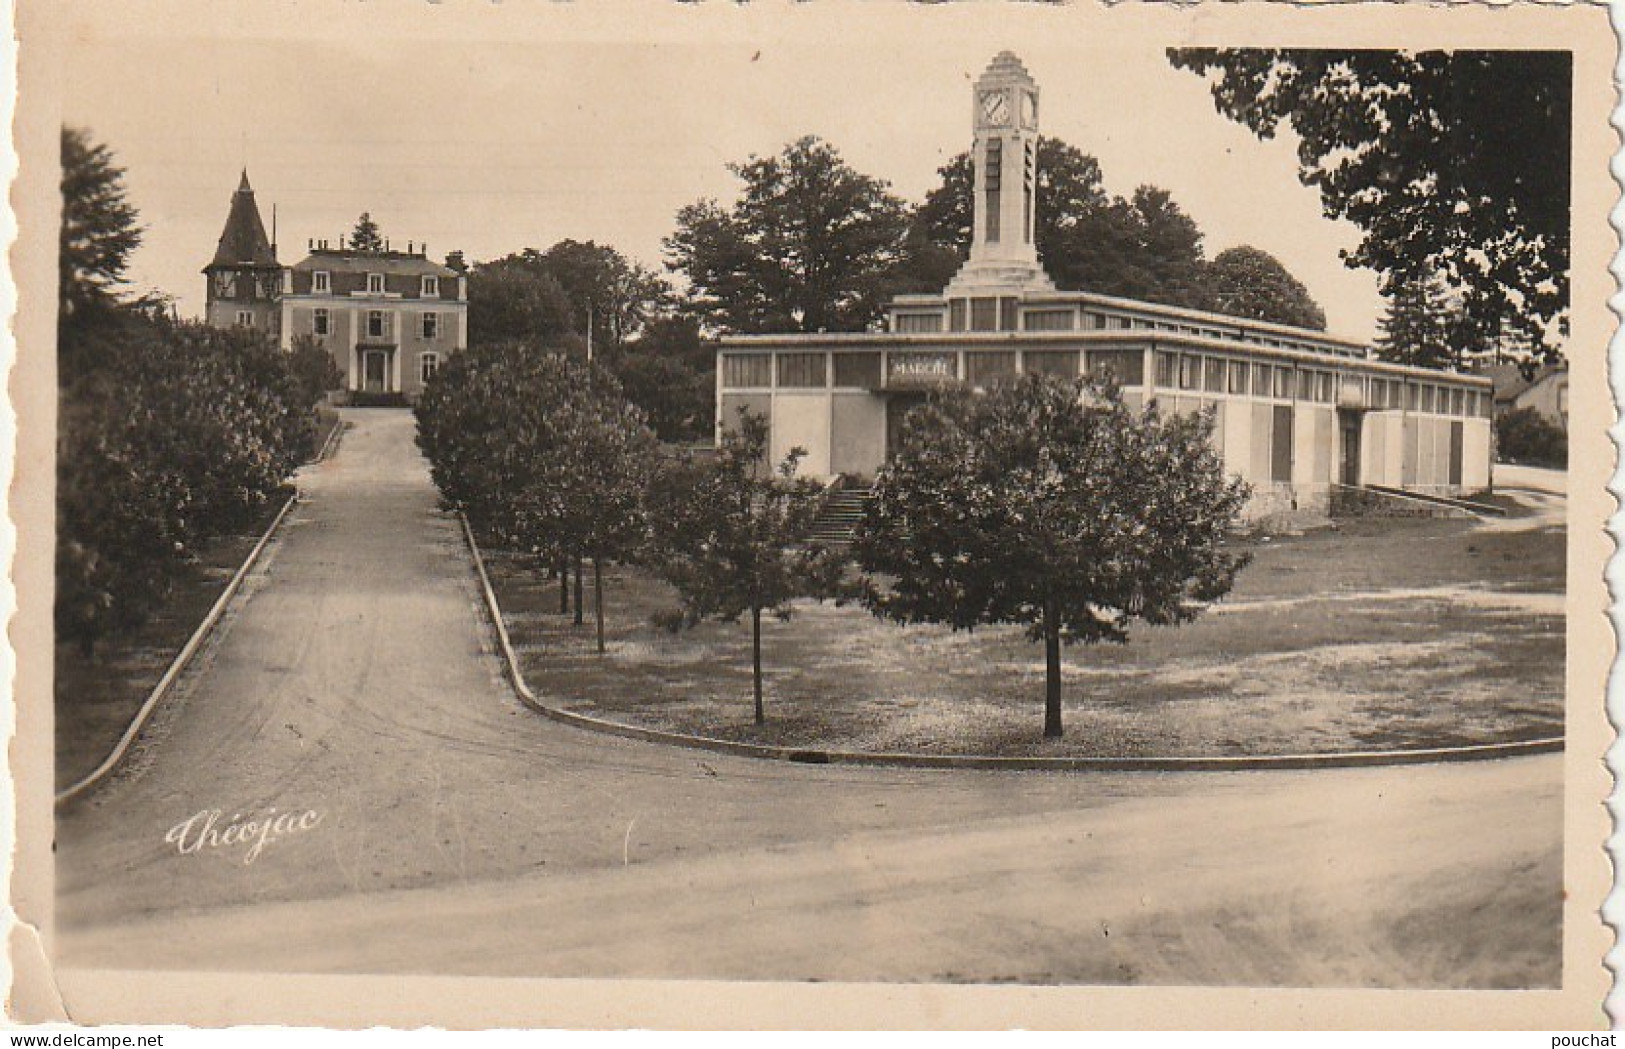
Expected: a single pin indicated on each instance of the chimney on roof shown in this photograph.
(454, 261)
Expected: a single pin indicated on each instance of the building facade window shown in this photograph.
(985, 369)
(321, 282)
(428, 364)
(375, 284)
(377, 327)
(245, 318)
(1236, 372)
(802, 371)
(1124, 367)
(1213, 375)
(747, 371)
(918, 323)
(956, 315)
(1283, 383)
(1061, 363)
(1055, 320)
(857, 370)
(1190, 371)
(431, 287)
(984, 314)
(1167, 370)
(321, 322)
(431, 325)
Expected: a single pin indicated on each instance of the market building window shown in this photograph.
(747, 370)
(802, 370)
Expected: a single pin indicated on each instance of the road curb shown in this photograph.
(177, 666)
(329, 445)
(801, 755)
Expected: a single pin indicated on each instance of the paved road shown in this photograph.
(453, 831)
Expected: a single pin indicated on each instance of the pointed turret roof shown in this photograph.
(243, 242)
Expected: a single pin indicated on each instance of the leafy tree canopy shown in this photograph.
(810, 245)
(1250, 282)
(730, 535)
(1050, 505)
(1451, 162)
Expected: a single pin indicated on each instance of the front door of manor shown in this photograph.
(375, 367)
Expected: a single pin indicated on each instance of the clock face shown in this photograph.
(1029, 109)
(995, 108)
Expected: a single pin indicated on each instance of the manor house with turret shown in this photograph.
(389, 318)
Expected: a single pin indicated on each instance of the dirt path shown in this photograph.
(355, 682)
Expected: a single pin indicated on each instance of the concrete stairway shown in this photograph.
(839, 519)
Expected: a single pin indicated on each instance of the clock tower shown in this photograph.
(1004, 157)
(244, 278)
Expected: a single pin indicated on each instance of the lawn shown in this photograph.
(1374, 634)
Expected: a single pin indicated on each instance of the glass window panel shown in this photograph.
(1237, 372)
(1213, 375)
(1124, 367)
(747, 370)
(917, 323)
(984, 314)
(857, 369)
(956, 315)
(1190, 371)
(801, 370)
(984, 369)
(1063, 363)
(1167, 369)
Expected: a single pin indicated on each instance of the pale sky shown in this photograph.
(494, 127)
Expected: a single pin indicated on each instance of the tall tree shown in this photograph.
(809, 245)
(541, 452)
(1451, 162)
(366, 236)
(99, 228)
(608, 292)
(517, 297)
(1249, 282)
(1419, 327)
(731, 537)
(1050, 505)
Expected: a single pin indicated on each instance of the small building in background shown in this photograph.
(1545, 388)
(389, 318)
(1298, 413)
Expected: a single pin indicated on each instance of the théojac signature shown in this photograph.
(207, 830)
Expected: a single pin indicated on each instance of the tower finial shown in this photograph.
(243, 186)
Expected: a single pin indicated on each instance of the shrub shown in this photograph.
(1526, 436)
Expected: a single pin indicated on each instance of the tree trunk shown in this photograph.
(578, 592)
(756, 660)
(1052, 671)
(598, 598)
(564, 587)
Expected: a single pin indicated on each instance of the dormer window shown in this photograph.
(375, 284)
(431, 287)
(320, 282)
